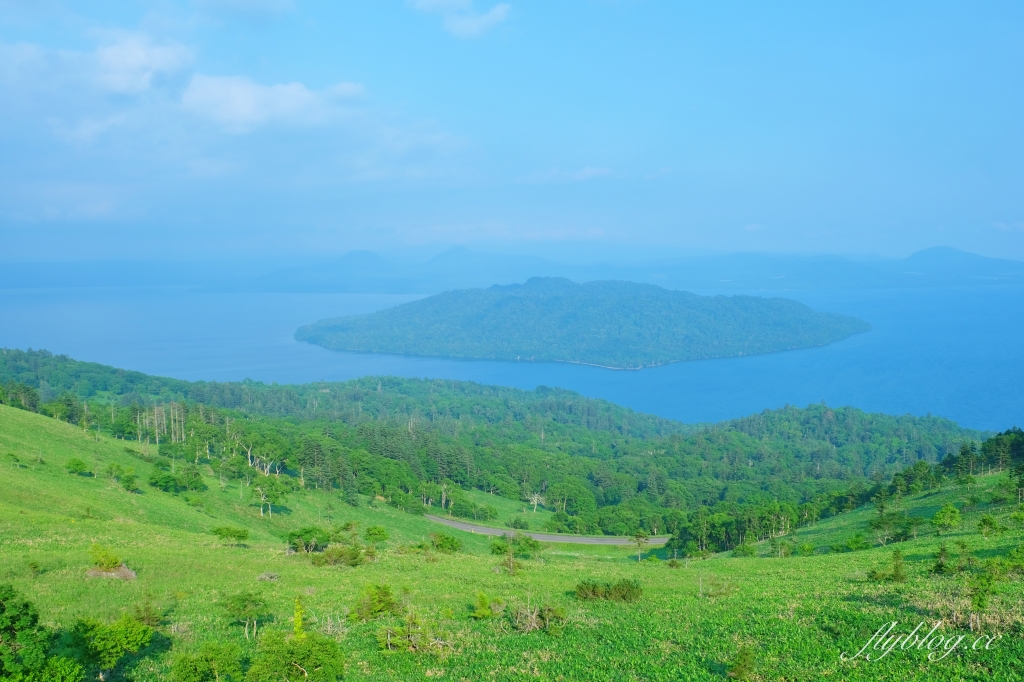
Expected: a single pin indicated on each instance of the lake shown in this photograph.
(952, 352)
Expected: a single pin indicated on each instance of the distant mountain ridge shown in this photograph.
(458, 268)
(612, 324)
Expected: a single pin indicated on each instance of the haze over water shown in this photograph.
(954, 352)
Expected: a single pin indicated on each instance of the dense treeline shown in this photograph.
(448, 404)
(622, 325)
(420, 445)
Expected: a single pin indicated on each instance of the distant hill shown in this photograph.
(460, 268)
(620, 325)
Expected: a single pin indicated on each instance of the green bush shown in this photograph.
(231, 533)
(745, 550)
(375, 534)
(624, 590)
(165, 481)
(108, 644)
(104, 558)
(309, 539)
(214, 662)
(76, 466)
(376, 601)
(340, 555)
(519, 522)
(309, 657)
(445, 543)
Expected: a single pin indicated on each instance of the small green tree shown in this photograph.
(108, 644)
(231, 534)
(376, 601)
(899, 573)
(104, 558)
(376, 534)
(445, 543)
(640, 539)
(942, 565)
(247, 608)
(946, 519)
(988, 525)
(23, 641)
(129, 480)
(309, 539)
(76, 466)
(744, 549)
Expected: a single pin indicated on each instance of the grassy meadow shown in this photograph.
(789, 618)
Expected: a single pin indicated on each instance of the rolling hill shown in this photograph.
(619, 325)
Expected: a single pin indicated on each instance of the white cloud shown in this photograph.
(475, 25)
(130, 64)
(461, 19)
(556, 175)
(240, 105)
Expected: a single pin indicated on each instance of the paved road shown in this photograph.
(547, 537)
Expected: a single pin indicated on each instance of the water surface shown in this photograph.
(954, 352)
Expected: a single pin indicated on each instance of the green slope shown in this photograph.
(796, 614)
(620, 325)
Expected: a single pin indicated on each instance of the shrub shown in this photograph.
(104, 558)
(519, 522)
(19, 623)
(340, 555)
(129, 481)
(165, 481)
(745, 550)
(214, 661)
(108, 644)
(988, 525)
(76, 466)
(375, 534)
(310, 657)
(442, 542)
(528, 618)
(485, 607)
(376, 601)
(624, 590)
(897, 573)
(309, 539)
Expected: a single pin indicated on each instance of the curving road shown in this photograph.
(547, 537)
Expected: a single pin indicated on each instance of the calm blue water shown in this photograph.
(953, 352)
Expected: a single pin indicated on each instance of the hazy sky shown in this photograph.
(285, 127)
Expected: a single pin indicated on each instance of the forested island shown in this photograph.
(612, 324)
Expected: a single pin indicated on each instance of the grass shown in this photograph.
(796, 614)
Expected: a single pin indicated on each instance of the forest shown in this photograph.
(619, 325)
(421, 445)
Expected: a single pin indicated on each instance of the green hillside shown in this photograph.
(481, 453)
(788, 618)
(620, 325)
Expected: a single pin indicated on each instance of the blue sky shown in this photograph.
(292, 129)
